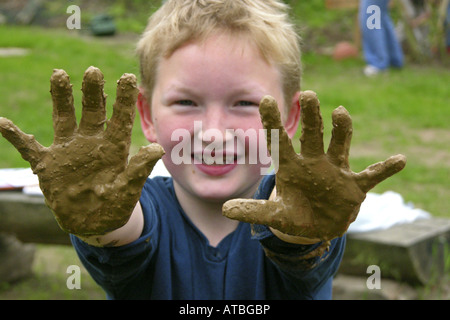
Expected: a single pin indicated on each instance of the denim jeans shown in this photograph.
(380, 44)
(447, 27)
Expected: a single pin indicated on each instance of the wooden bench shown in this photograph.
(29, 219)
(414, 252)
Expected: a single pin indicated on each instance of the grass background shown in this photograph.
(402, 111)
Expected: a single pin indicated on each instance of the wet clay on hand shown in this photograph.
(85, 175)
(317, 195)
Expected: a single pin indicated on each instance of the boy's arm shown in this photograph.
(318, 196)
(126, 234)
(305, 266)
(85, 175)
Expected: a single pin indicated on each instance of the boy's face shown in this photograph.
(206, 95)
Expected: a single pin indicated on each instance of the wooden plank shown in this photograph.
(412, 252)
(29, 219)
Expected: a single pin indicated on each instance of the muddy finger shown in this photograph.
(94, 102)
(139, 168)
(64, 121)
(278, 142)
(339, 148)
(251, 211)
(312, 125)
(378, 172)
(26, 144)
(121, 123)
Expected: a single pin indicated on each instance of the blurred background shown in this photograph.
(402, 110)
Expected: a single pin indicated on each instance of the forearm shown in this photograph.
(308, 266)
(293, 239)
(126, 234)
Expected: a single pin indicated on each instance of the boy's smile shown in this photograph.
(218, 83)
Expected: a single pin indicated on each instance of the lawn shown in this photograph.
(402, 111)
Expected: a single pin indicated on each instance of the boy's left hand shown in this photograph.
(317, 195)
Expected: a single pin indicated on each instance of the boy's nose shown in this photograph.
(215, 118)
(213, 124)
(206, 135)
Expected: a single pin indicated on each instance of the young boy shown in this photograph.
(206, 66)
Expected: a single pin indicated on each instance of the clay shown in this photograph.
(85, 175)
(317, 195)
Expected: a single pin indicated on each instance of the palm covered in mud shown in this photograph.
(85, 175)
(317, 195)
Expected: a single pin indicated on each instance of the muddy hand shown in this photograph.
(84, 175)
(317, 195)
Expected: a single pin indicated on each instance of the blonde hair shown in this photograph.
(266, 22)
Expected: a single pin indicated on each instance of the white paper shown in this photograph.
(17, 178)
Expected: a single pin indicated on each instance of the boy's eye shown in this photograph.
(185, 102)
(245, 103)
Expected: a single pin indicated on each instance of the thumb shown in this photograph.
(26, 144)
(270, 213)
(251, 211)
(140, 166)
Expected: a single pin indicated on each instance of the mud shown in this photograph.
(317, 195)
(85, 175)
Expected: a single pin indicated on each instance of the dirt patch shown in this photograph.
(13, 52)
(428, 147)
(433, 135)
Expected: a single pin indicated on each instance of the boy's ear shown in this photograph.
(144, 109)
(293, 117)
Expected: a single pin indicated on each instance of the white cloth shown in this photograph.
(382, 211)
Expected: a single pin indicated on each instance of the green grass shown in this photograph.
(402, 111)
(25, 81)
(49, 279)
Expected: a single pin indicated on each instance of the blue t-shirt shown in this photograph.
(173, 259)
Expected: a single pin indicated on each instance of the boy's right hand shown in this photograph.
(85, 176)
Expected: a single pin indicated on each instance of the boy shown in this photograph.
(205, 66)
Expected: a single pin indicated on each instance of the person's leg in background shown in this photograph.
(380, 45)
(393, 46)
(447, 29)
